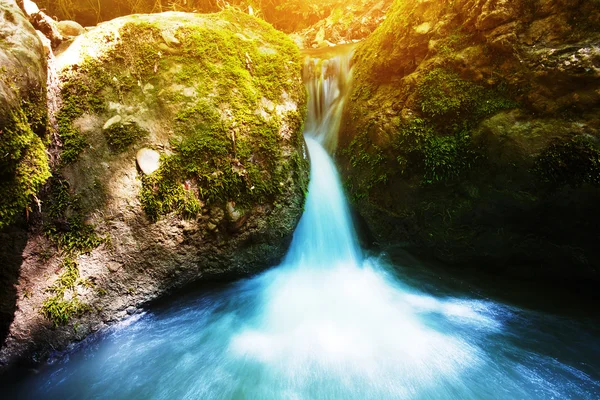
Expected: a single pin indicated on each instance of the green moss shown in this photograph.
(368, 158)
(65, 224)
(447, 157)
(435, 144)
(81, 93)
(23, 166)
(68, 279)
(60, 311)
(453, 103)
(572, 162)
(57, 308)
(122, 135)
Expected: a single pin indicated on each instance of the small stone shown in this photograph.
(114, 120)
(148, 87)
(170, 38)
(30, 7)
(148, 160)
(70, 28)
(232, 213)
(189, 92)
(424, 28)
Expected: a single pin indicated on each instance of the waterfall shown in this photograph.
(328, 76)
(324, 235)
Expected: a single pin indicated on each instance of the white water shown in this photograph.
(330, 323)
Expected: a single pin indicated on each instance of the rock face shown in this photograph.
(69, 28)
(346, 22)
(220, 99)
(23, 161)
(472, 134)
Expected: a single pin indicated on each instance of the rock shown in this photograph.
(149, 233)
(69, 28)
(148, 160)
(170, 38)
(480, 147)
(232, 213)
(112, 121)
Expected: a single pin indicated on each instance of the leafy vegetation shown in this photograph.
(64, 304)
(23, 166)
(435, 144)
(121, 135)
(573, 162)
(66, 221)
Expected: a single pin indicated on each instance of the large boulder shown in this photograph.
(473, 134)
(23, 159)
(219, 99)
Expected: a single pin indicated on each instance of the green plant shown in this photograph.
(122, 135)
(64, 304)
(65, 225)
(23, 166)
(572, 162)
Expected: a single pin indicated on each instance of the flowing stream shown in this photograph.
(330, 322)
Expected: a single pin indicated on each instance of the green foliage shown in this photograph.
(436, 145)
(81, 90)
(60, 311)
(68, 279)
(446, 157)
(454, 102)
(368, 158)
(122, 135)
(572, 162)
(23, 166)
(65, 225)
(57, 308)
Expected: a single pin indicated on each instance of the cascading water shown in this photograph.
(327, 73)
(330, 324)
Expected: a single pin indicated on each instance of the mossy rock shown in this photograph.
(23, 159)
(462, 139)
(221, 99)
(219, 94)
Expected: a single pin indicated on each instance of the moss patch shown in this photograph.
(572, 162)
(120, 136)
(64, 303)
(23, 166)
(65, 224)
(432, 146)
